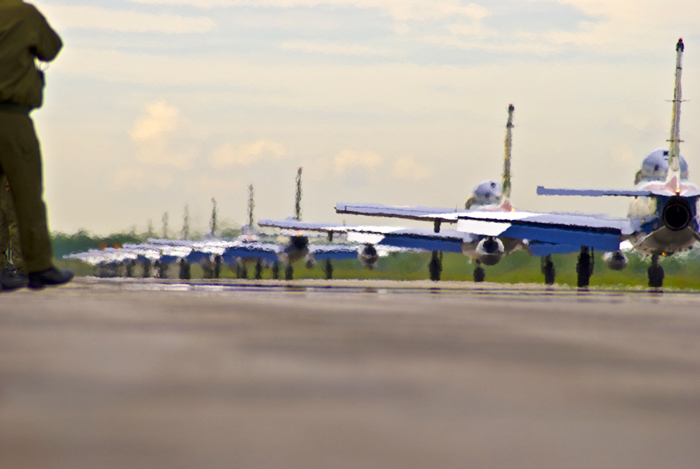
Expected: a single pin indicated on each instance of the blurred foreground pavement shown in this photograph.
(108, 374)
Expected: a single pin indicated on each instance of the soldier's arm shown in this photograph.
(48, 43)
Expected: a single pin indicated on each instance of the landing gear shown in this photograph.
(184, 270)
(548, 270)
(584, 267)
(328, 269)
(241, 270)
(207, 269)
(275, 270)
(258, 270)
(162, 269)
(130, 268)
(435, 266)
(217, 266)
(146, 268)
(656, 273)
(289, 272)
(479, 273)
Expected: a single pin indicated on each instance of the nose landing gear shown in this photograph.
(655, 273)
(548, 270)
(479, 273)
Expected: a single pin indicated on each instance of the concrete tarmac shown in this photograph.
(145, 374)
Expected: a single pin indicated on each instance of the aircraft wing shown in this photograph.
(448, 215)
(614, 192)
(333, 251)
(106, 256)
(562, 229)
(428, 240)
(264, 251)
(327, 227)
(388, 236)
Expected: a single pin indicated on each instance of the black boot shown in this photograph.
(11, 280)
(49, 277)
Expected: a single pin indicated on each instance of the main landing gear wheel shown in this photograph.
(241, 271)
(289, 272)
(548, 270)
(479, 273)
(275, 271)
(328, 269)
(584, 268)
(656, 273)
(258, 270)
(184, 270)
(435, 266)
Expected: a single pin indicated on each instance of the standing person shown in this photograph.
(25, 37)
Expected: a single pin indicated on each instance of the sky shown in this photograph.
(157, 104)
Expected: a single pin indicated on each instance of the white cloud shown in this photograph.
(138, 177)
(159, 120)
(65, 17)
(405, 168)
(247, 154)
(471, 28)
(350, 159)
(628, 25)
(402, 10)
(334, 49)
(159, 137)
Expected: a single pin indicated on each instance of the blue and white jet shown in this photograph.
(489, 197)
(662, 218)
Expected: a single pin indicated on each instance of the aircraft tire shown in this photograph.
(289, 272)
(479, 274)
(275, 271)
(656, 276)
(258, 270)
(548, 270)
(583, 269)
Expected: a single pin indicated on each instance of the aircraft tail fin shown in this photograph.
(297, 201)
(505, 193)
(251, 207)
(673, 177)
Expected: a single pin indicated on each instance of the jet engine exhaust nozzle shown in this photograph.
(368, 256)
(490, 251)
(615, 260)
(677, 214)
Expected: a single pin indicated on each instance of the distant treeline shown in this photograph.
(81, 241)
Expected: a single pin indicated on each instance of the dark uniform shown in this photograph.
(25, 36)
(9, 233)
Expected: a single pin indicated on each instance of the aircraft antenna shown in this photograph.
(297, 204)
(505, 194)
(251, 207)
(674, 165)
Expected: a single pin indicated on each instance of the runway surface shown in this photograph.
(117, 374)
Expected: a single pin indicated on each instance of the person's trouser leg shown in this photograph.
(20, 158)
(4, 235)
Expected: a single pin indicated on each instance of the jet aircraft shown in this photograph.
(489, 196)
(662, 218)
